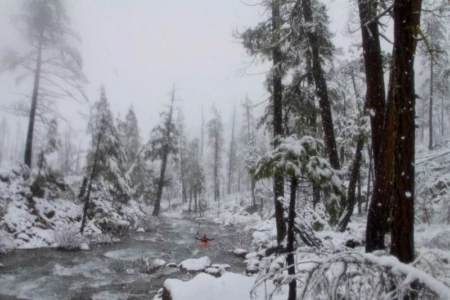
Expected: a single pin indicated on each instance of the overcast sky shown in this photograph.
(139, 48)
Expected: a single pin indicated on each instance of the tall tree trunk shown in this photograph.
(373, 65)
(91, 180)
(165, 157)
(378, 215)
(34, 99)
(290, 261)
(430, 110)
(442, 115)
(369, 177)
(202, 134)
(321, 89)
(183, 173)
(422, 121)
(406, 22)
(352, 184)
(231, 156)
(196, 192)
(253, 182)
(190, 201)
(277, 95)
(359, 193)
(162, 174)
(216, 169)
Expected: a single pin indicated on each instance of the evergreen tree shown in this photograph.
(51, 59)
(215, 137)
(107, 147)
(164, 142)
(51, 144)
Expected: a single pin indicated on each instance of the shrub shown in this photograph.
(6, 243)
(70, 240)
(148, 265)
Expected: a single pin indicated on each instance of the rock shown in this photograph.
(195, 264)
(114, 227)
(252, 209)
(172, 265)
(352, 243)
(240, 252)
(84, 246)
(140, 230)
(166, 295)
(50, 214)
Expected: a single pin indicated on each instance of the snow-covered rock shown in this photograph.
(195, 264)
(207, 287)
(140, 230)
(240, 252)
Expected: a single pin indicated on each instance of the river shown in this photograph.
(110, 271)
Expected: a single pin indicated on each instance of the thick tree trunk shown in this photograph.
(406, 20)
(430, 109)
(34, 99)
(91, 180)
(378, 215)
(351, 197)
(277, 95)
(373, 65)
(290, 261)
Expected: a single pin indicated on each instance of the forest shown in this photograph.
(328, 180)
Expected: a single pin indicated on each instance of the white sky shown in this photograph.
(139, 48)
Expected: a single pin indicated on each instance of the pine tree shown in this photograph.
(107, 147)
(52, 60)
(164, 142)
(52, 144)
(215, 137)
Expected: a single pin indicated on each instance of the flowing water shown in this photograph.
(110, 271)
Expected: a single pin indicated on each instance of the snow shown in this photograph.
(195, 264)
(228, 286)
(140, 229)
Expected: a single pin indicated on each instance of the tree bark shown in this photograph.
(231, 156)
(352, 184)
(290, 261)
(321, 89)
(91, 179)
(406, 22)
(165, 156)
(277, 96)
(34, 99)
(373, 65)
(430, 110)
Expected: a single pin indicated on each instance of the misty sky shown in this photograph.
(139, 48)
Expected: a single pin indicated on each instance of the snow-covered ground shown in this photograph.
(29, 221)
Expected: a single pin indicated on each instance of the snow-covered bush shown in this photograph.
(149, 265)
(6, 243)
(440, 241)
(352, 275)
(70, 239)
(147, 223)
